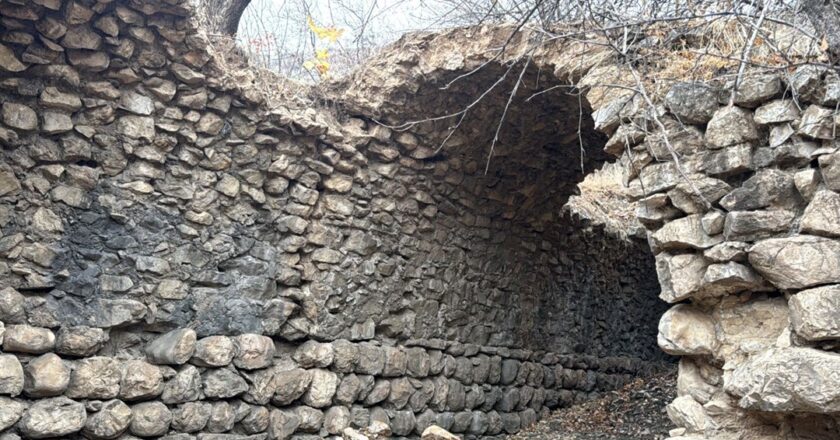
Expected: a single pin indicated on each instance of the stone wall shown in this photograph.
(746, 250)
(308, 270)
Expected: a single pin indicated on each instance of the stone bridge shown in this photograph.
(182, 258)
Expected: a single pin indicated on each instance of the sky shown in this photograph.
(276, 34)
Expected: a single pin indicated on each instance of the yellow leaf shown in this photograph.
(320, 66)
(322, 54)
(324, 33)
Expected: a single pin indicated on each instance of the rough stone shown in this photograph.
(11, 306)
(81, 341)
(730, 126)
(54, 417)
(23, 338)
(686, 330)
(19, 116)
(253, 351)
(777, 112)
(46, 376)
(692, 103)
(290, 385)
(817, 123)
(794, 379)
(312, 354)
(222, 383)
(822, 215)
(214, 351)
(140, 381)
(150, 419)
(109, 422)
(10, 412)
(173, 348)
(95, 378)
(815, 313)
(11, 375)
(797, 262)
(755, 225)
(684, 233)
(321, 389)
(282, 424)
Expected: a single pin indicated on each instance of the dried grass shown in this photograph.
(603, 200)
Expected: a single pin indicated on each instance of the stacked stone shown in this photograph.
(250, 386)
(743, 216)
(144, 193)
(141, 188)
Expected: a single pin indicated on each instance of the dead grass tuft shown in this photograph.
(603, 200)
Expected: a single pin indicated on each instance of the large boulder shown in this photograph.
(797, 262)
(815, 313)
(793, 379)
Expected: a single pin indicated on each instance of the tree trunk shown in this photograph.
(825, 16)
(222, 16)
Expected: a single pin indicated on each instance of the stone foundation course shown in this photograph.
(248, 387)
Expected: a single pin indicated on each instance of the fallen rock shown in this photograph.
(687, 413)
(435, 432)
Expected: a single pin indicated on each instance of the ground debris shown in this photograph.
(634, 412)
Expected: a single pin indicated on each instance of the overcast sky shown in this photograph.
(276, 32)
